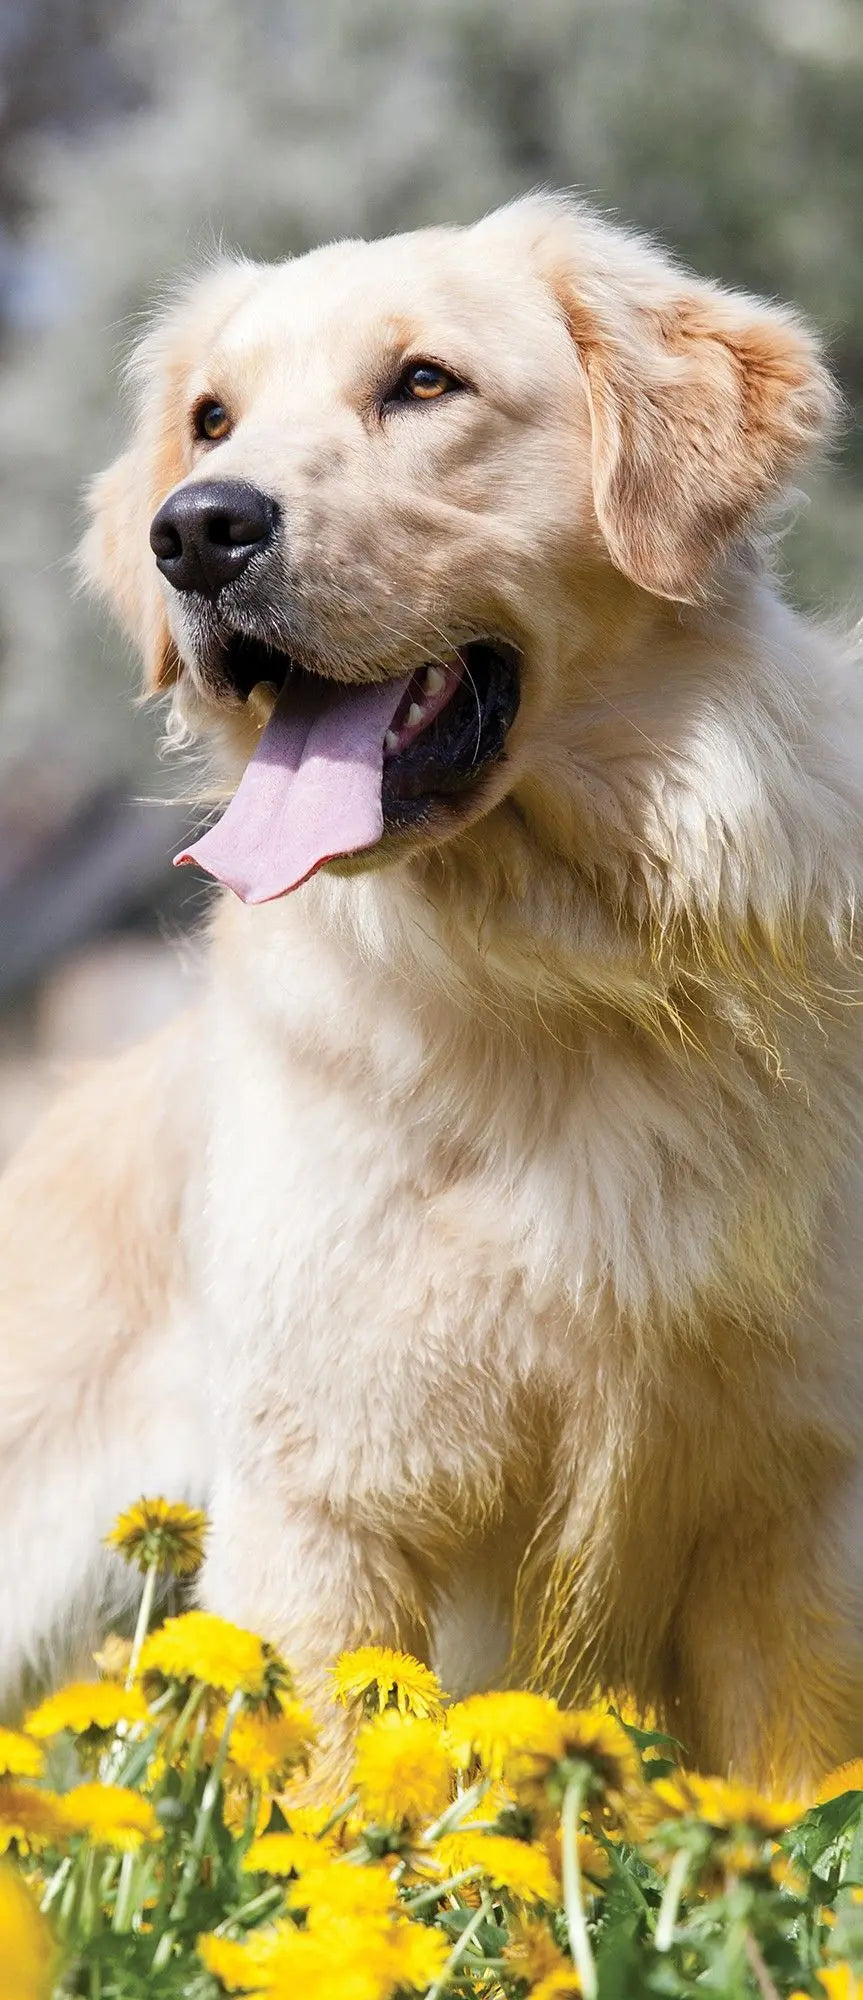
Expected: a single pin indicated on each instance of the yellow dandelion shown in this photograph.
(416, 1956)
(91, 1709)
(342, 1889)
(724, 1804)
(592, 1857)
(375, 1678)
(236, 1804)
(358, 1958)
(26, 1946)
(242, 1967)
(160, 1534)
(111, 1816)
(844, 1778)
(199, 1646)
(492, 1729)
(113, 1657)
(402, 1770)
(840, 1982)
(562, 1984)
(522, 1737)
(523, 1871)
(283, 1854)
(19, 1757)
(534, 1956)
(788, 1877)
(592, 1736)
(313, 1820)
(266, 1748)
(33, 1819)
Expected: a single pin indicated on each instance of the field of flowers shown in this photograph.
(500, 1846)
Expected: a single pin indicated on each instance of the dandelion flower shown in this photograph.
(342, 1889)
(160, 1534)
(111, 1816)
(243, 1967)
(199, 1646)
(19, 1757)
(314, 1820)
(31, 1818)
(91, 1709)
(594, 1737)
(402, 1770)
(113, 1656)
(724, 1805)
(522, 1737)
(283, 1854)
(561, 1984)
(492, 1729)
(534, 1956)
(514, 1866)
(358, 1958)
(26, 1946)
(844, 1778)
(840, 1982)
(266, 1748)
(378, 1678)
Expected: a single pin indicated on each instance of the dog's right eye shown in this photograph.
(210, 421)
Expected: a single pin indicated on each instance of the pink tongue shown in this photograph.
(310, 792)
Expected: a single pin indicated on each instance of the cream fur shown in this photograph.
(490, 1240)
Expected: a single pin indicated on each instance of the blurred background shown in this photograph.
(136, 133)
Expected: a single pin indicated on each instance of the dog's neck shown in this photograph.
(659, 855)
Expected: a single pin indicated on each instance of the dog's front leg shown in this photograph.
(314, 1581)
(767, 1674)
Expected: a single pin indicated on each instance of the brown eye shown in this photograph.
(424, 382)
(211, 421)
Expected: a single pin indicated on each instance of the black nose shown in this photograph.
(205, 533)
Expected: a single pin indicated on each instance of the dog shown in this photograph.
(485, 1248)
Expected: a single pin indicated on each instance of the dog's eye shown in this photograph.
(210, 421)
(424, 382)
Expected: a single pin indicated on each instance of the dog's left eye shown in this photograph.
(424, 382)
(211, 421)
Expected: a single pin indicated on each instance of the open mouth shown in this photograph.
(451, 722)
(340, 764)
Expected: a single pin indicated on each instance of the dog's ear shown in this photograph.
(115, 555)
(702, 401)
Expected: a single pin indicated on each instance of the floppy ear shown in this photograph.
(115, 555)
(702, 401)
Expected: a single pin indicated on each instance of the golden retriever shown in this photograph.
(485, 1250)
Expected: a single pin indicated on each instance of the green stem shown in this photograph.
(269, 1899)
(573, 1903)
(188, 1710)
(142, 1623)
(424, 1898)
(195, 1855)
(670, 1905)
(56, 1883)
(123, 1899)
(194, 1758)
(454, 1814)
(440, 1984)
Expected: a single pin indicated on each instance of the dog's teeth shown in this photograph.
(434, 680)
(414, 715)
(260, 702)
(391, 740)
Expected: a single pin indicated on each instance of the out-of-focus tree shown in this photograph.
(732, 129)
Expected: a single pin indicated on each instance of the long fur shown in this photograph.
(486, 1252)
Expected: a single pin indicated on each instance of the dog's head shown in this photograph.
(453, 462)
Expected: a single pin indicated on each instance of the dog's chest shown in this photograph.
(421, 1230)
